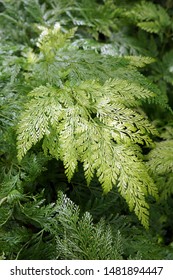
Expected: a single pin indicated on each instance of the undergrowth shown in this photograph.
(86, 129)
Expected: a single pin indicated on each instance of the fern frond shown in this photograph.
(150, 17)
(40, 120)
(80, 137)
(11, 239)
(161, 157)
(134, 190)
(140, 61)
(40, 219)
(160, 164)
(51, 40)
(92, 16)
(121, 44)
(6, 213)
(77, 93)
(84, 119)
(81, 238)
(35, 10)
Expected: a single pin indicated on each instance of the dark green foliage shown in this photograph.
(86, 129)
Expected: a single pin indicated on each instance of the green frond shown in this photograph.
(134, 190)
(150, 17)
(35, 10)
(88, 120)
(67, 142)
(51, 40)
(83, 86)
(90, 140)
(5, 213)
(90, 16)
(160, 165)
(140, 61)
(11, 239)
(121, 44)
(42, 218)
(39, 119)
(10, 187)
(81, 238)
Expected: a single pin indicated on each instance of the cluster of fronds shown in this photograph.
(79, 104)
(81, 239)
(57, 230)
(150, 17)
(96, 122)
(60, 232)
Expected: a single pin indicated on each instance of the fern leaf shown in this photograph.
(84, 138)
(81, 238)
(89, 116)
(67, 141)
(51, 40)
(161, 157)
(150, 17)
(39, 119)
(160, 165)
(134, 190)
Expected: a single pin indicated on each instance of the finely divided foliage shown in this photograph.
(83, 86)
(150, 17)
(81, 239)
(85, 108)
(162, 170)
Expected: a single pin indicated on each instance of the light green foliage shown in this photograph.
(83, 86)
(95, 122)
(161, 165)
(150, 17)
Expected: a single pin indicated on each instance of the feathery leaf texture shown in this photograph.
(83, 114)
(160, 164)
(81, 238)
(150, 17)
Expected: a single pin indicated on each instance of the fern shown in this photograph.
(161, 165)
(167, 67)
(82, 239)
(18, 18)
(60, 232)
(90, 16)
(150, 17)
(93, 122)
(79, 103)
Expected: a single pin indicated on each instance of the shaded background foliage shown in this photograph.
(41, 213)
